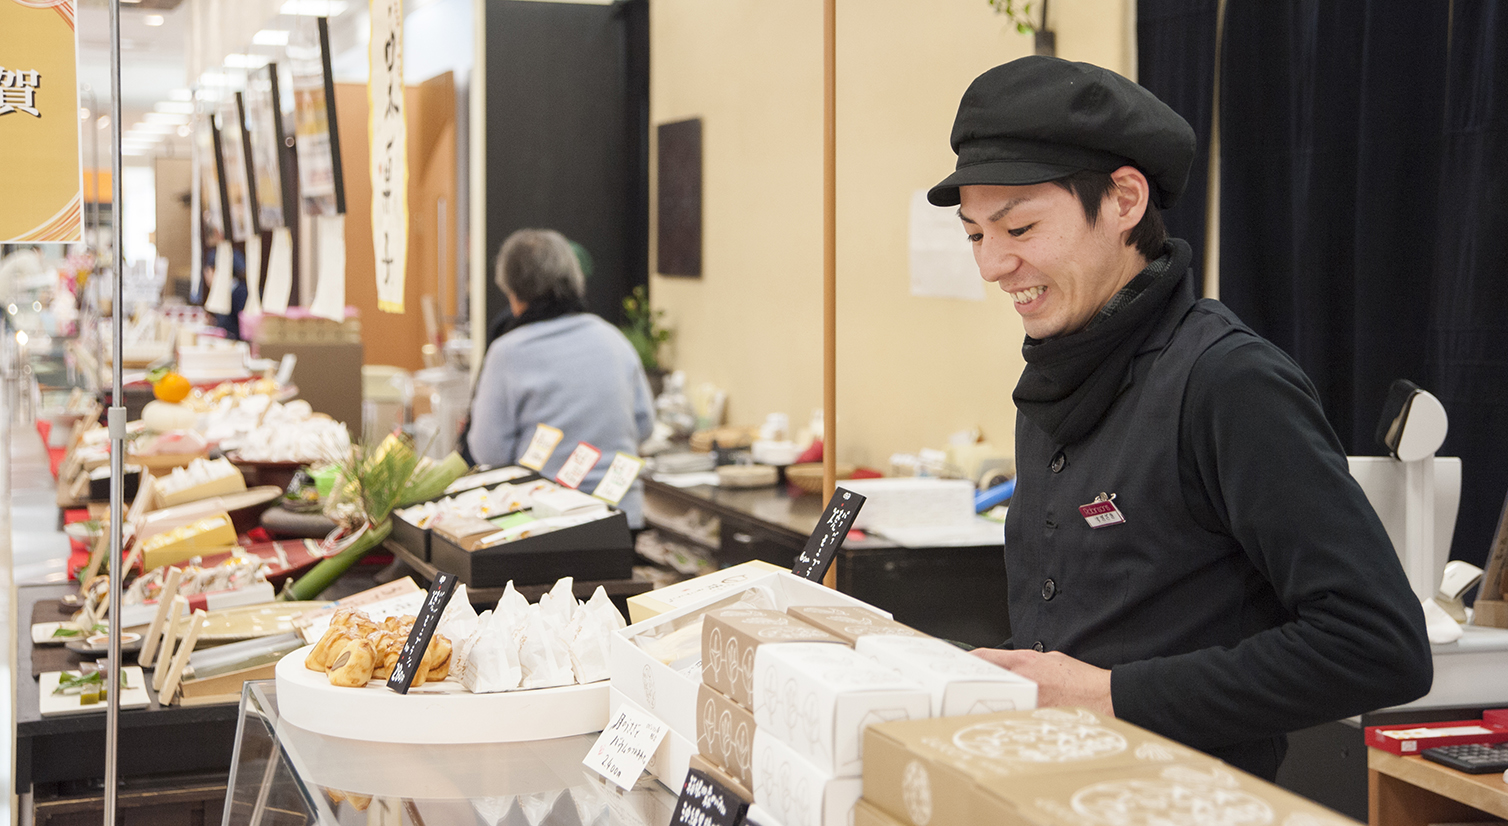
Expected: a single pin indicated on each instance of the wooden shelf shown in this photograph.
(1403, 791)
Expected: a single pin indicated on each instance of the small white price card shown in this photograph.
(540, 447)
(578, 465)
(625, 746)
(619, 478)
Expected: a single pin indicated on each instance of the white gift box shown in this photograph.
(960, 682)
(670, 694)
(795, 791)
(819, 697)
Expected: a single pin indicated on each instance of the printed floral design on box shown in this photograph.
(1052, 737)
(1181, 796)
(916, 793)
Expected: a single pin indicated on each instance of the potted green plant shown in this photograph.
(643, 331)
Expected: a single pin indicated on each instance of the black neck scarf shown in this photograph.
(544, 309)
(1071, 380)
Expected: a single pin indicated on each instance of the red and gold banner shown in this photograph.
(41, 189)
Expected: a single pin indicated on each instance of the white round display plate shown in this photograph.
(375, 713)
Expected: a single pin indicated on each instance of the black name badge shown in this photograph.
(824, 542)
(411, 658)
(706, 802)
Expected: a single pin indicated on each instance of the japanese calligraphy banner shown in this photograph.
(41, 187)
(388, 135)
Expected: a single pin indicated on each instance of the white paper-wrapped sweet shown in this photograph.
(198, 472)
(557, 641)
(591, 626)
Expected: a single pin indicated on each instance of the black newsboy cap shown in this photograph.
(1038, 119)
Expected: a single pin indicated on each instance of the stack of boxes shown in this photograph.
(786, 693)
(1048, 767)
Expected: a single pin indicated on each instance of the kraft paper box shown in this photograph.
(931, 771)
(730, 638)
(868, 814)
(818, 698)
(728, 781)
(669, 693)
(662, 600)
(849, 623)
(960, 682)
(795, 791)
(725, 734)
(1203, 791)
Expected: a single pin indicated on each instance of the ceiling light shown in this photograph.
(135, 151)
(153, 20)
(213, 79)
(175, 108)
(181, 94)
(246, 61)
(142, 137)
(270, 37)
(314, 8)
(146, 128)
(165, 117)
(185, 130)
(83, 113)
(104, 121)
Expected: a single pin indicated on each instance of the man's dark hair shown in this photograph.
(1091, 188)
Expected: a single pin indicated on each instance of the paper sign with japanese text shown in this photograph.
(578, 465)
(706, 802)
(387, 132)
(619, 478)
(625, 746)
(42, 188)
(540, 447)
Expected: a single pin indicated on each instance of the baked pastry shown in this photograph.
(352, 668)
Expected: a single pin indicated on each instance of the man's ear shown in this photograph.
(1129, 198)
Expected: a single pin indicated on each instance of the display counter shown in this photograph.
(284, 774)
(956, 591)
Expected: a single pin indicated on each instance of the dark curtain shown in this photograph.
(1361, 213)
(1176, 61)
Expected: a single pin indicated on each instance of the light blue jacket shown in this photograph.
(576, 373)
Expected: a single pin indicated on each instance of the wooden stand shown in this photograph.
(1412, 791)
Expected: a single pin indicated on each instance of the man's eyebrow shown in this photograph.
(999, 213)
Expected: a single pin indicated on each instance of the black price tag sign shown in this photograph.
(824, 542)
(411, 658)
(706, 802)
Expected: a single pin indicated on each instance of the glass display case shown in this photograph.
(283, 775)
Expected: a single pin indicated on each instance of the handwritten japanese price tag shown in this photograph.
(619, 478)
(625, 746)
(578, 465)
(411, 656)
(540, 447)
(828, 536)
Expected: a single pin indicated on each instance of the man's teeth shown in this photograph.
(1027, 294)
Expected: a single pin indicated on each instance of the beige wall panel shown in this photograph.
(174, 218)
(911, 370)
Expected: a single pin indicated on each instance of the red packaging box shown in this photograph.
(1413, 739)
(1496, 717)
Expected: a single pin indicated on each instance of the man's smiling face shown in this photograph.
(1035, 242)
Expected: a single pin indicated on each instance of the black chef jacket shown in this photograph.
(1251, 589)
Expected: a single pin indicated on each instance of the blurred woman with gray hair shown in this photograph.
(558, 365)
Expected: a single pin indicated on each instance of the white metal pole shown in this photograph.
(116, 419)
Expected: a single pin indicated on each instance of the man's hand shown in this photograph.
(1061, 680)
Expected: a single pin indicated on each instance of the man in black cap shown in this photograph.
(1186, 549)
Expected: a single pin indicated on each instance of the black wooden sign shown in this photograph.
(824, 542)
(706, 802)
(410, 659)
